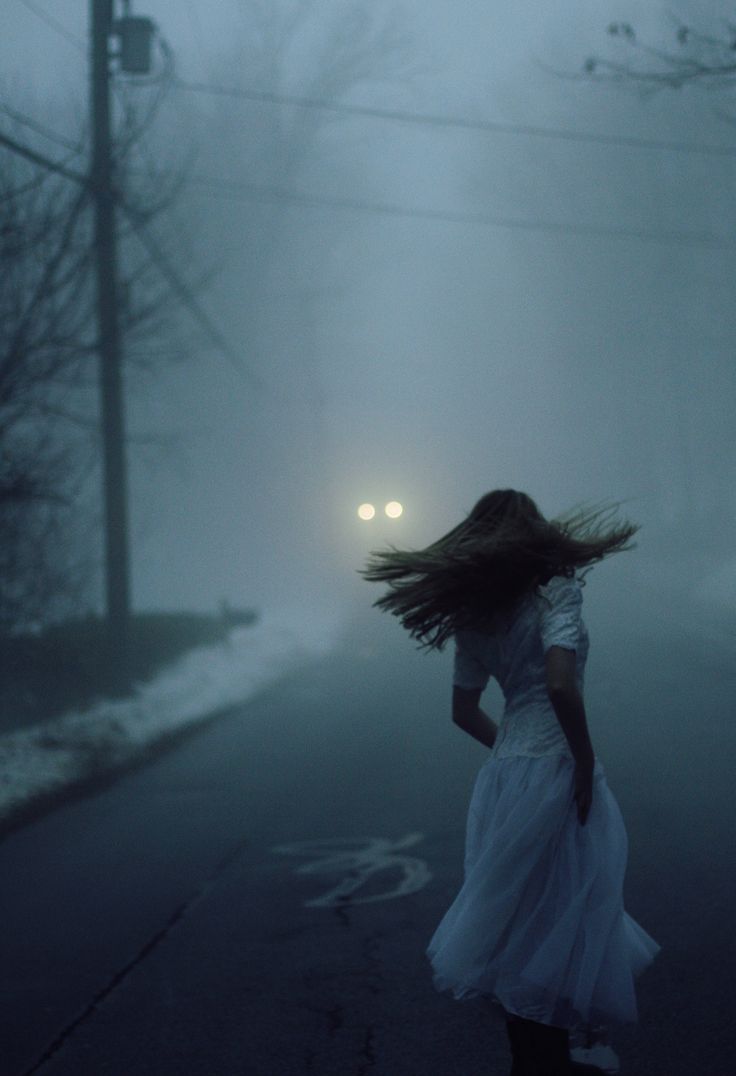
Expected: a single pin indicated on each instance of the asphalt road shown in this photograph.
(161, 925)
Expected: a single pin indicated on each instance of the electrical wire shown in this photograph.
(42, 161)
(39, 128)
(185, 295)
(33, 184)
(177, 284)
(418, 118)
(44, 16)
(459, 122)
(253, 192)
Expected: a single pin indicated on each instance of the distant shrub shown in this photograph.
(68, 666)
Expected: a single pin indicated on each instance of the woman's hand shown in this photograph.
(467, 715)
(583, 789)
(567, 703)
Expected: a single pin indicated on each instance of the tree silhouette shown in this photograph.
(697, 56)
(48, 375)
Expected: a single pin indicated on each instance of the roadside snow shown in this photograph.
(39, 761)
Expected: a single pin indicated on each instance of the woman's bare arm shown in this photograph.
(467, 715)
(569, 707)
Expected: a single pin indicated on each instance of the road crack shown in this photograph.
(367, 1052)
(143, 953)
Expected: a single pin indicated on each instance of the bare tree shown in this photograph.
(706, 59)
(44, 342)
(48, 376)
(48, 405)
(696, 56)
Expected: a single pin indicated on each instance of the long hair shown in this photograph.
(501, 551)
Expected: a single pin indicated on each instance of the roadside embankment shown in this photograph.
(43, 761)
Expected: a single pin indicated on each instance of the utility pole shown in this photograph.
(117, 569)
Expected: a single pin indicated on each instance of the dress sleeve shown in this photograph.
(469, 671)
(560, 621)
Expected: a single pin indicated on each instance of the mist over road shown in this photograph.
(162, 924)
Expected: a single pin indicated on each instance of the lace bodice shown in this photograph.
(514, 655)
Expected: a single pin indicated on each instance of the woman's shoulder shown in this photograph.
(559, 594)
(560, 615)
(561, 584)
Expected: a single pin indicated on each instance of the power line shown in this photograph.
(39, 128)
(13, 193)
(44, 16)
(42, 161)
(253, 192)
(185, 295)
(419, 118)
(459, 122)
(176, 283)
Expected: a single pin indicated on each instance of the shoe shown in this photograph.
(550, 1052)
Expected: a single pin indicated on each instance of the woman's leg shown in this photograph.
(513, 1025)
(521, 1053)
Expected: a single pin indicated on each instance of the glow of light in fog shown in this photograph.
(393, 509)
(366, 511)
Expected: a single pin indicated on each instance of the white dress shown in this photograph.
(539, 922)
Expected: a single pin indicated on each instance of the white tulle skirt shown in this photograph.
(539, 922)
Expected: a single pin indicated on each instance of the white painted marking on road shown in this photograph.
(359, 859)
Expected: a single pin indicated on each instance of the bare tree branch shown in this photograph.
(698, 57)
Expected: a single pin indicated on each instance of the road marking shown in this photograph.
(358, 859)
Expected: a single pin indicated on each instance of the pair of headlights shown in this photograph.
(393, 510)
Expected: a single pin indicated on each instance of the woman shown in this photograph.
(539, 924)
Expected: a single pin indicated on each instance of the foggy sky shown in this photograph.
(425, 361)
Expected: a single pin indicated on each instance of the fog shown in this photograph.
(417, 253)
(562, 325)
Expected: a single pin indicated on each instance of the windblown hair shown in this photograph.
(504, 549)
